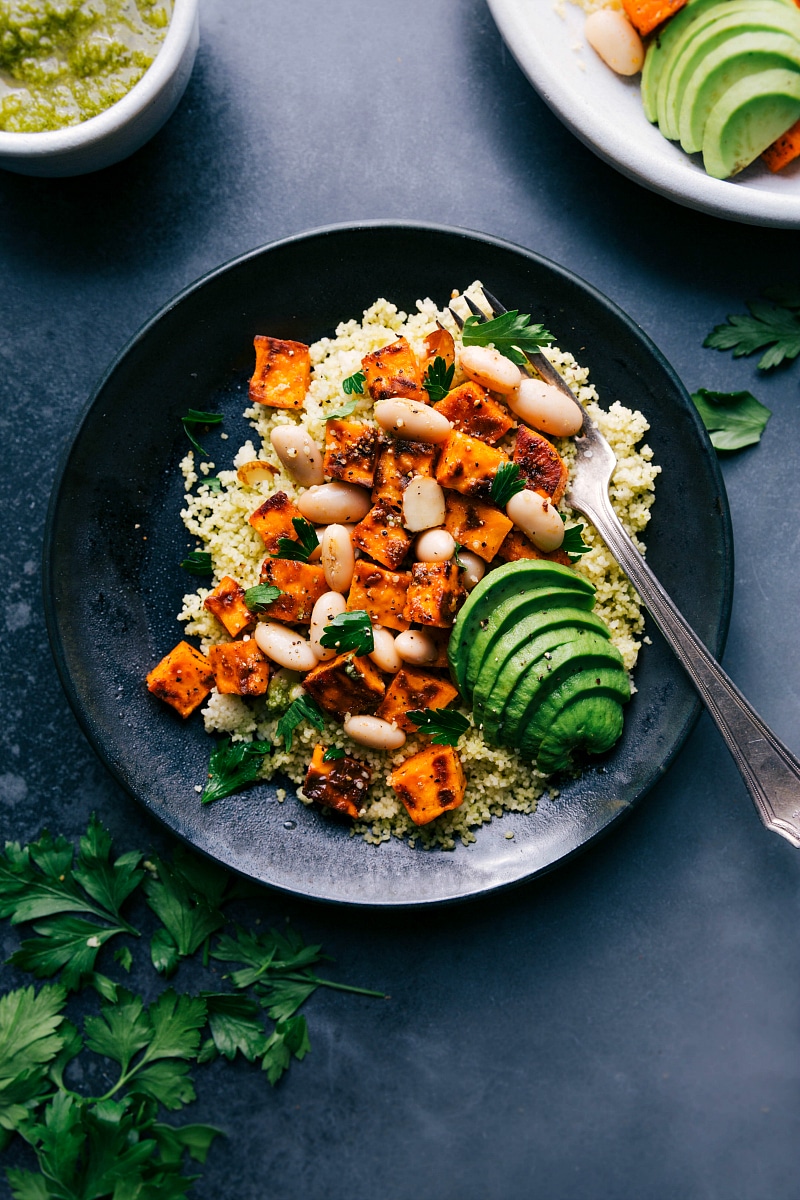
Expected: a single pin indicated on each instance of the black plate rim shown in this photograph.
(619, 314)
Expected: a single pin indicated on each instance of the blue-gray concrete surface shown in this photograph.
(627, 1028)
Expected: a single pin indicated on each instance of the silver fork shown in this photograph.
(770, 771)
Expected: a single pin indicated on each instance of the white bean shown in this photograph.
(474, 569)
(423, 504)
(334, 502)
(329, 605)
(546, 408)
(338, 558)
(385, 654)
(284, 646)
(490, 368)
(298, 454)
(416, 646)
(537, 517)
(435, 545)
(413, 420)
(375, 733)
(613, 37)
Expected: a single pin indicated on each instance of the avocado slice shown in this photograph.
(589, 680)
(590, 723)
(746, 54)
(508, 614)
(748, 118)
(585, 651)
(512, 579)
(659, 50)
(728, 18)
(511, 653)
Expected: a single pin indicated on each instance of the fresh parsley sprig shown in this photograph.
(353, 385)
(573, 544)
(438, 379)
(511, 333)
(232, 766)
(260, 597)
(444, 725)
(198, 563)
(734, 419)
(506, 483)
(304, 708)
(302, 549)
(772, 327)
(350, 631)
(197, 419)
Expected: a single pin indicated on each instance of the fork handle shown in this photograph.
(770, 771)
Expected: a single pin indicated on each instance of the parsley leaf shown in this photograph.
(774, 326)
(232, 766)
(194, 1139)
(506, 483)
(347, 409)
(110, 885)
(289, 1038)
(236, 1024)
(196, 419)
(438, 379)
(733, 419)
(457, 559)
(198, 563)
(67, 942)
(511, 333)
(301, 550)
(444, 725)
(304, 708)
(213, 482)
(260, 597)
(332, 753)
(187, 904)
(30, 1039)
(354, 384)
(349, 631)
(573, 544)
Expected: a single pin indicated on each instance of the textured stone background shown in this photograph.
(628, 1027)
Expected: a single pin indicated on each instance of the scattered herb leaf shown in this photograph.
(775, 327)
(573, 544)
(196, 419)
(290, 1037)
(511, 333)
(438, 379)
(349, 631)
(507, 483)
(260, 597)
(347, 409)
(232, 766)
(188, 906)
(354, 384)
(214, 483)
(304, 708)
(444, 725)
(461, 566)
(733, 419)
(302, 549)
(332, 753)
(198, 563)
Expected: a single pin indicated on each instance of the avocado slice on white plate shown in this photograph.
(660, 48)
(748, 118)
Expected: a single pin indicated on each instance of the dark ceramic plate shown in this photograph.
(115, 539)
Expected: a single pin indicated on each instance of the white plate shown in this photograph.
(605, 112)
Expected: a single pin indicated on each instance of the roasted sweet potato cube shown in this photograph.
(540, 464)
(302, 584)
(341, 783)
(411, 690)
(394, 371)
(227, 604)
(475, 526)
(516, 545)
(282, 374)
(240, 669)
(439, 344)
(381, 593)
(351, 451)
(273, 520)
(430, 783)
(435, 594)
(183, 679)
(381, 535)
(646, 15)
(399, 462)
(470, 409)
(346, 684)
(468, 465)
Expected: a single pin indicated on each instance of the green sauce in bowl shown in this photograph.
(64, 61)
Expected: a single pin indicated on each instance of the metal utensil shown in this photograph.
(770, 771)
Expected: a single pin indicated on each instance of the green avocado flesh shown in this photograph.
(702, 54)
(591, 724)
(526, 644)
(63, 61)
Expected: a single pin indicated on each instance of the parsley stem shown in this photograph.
(345, 987)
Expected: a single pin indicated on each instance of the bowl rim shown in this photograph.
(122, 111)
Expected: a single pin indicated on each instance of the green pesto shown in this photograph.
(63, 61)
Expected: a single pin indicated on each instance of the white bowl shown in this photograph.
(123, 127)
